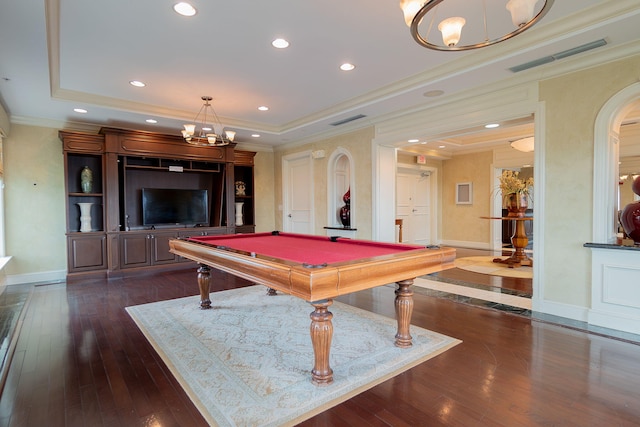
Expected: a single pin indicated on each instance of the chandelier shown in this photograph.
(437, 24)
(526, 145)
(211, 133)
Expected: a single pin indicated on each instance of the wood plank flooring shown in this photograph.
(81, 361)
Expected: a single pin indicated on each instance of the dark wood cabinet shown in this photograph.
(244, 208)
(86, 251)
(122, 163)
(146, 248)
(84, 205)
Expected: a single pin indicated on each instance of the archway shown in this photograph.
(606, 155)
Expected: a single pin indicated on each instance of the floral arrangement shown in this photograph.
(511, 183)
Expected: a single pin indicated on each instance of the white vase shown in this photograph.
(85, 217)
(239, 206)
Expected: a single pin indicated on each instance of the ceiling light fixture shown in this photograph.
(492, 125)
(526, 145)
(137, 83)
(347, 67)
(184, 9)
(263, 108)
(80, 110)
(484, 27)
(210, 132)
(280, 44)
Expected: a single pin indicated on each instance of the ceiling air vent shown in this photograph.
(347, 120)
(559, 55)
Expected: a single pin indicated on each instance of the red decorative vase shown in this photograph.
(345, 211)
(630, 215)
(516, 204)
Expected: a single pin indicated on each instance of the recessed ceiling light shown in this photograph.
(280, 43)
(433, 93)
(492, 125)
(413, 141)
(184, 9)
(423, 142)
(441, 146)
(153, 121)
(80, 110)
(137, 83)
(263, 108)
(347, 67)
(255, 135)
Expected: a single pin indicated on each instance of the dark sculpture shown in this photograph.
(630, 215)
(345, 211)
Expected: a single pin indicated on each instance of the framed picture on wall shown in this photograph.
(464, 193)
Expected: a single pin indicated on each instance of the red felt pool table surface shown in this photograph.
(313, 267)
(305, 249)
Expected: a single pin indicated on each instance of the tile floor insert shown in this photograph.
(13, 302)
(493, 295)
(463, 283)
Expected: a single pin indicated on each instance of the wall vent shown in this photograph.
(347, 120)
(560, 55)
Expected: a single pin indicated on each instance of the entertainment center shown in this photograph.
(129, 192)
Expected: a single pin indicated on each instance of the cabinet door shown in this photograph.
(86, 252)
(160, 248)
(135, 250)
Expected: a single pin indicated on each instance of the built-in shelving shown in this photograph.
(123, 162)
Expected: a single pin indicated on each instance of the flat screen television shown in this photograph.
(163, 206)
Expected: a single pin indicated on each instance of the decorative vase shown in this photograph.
(516, 204)
(240, 188)
(85, 216)
(239, 206)
(630, 215)
(345, 211)
(86, 180)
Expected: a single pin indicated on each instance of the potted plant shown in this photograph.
(515, 192)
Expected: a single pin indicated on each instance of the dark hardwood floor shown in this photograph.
(81, 361)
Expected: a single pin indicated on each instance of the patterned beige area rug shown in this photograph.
(247, 361)
(485, 265)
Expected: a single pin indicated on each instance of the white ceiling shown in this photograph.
(56, 55)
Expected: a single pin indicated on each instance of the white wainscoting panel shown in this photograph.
(615, 291)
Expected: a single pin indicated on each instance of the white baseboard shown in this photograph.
(617, 321)
(41, 277)
(559, 309)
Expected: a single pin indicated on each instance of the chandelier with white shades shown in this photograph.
(455, 25)
(211, 131)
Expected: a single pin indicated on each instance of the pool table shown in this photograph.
(316, 269)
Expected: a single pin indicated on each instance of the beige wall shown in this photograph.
(264, 183)
(462, 222)
(572, 103)
(34, 201)
(359, 145)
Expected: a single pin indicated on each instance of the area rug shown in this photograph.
(485, 265)
(247, 361)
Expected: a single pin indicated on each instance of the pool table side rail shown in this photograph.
(314, 284)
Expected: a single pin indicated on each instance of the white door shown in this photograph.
(414, 207)
(298, 194)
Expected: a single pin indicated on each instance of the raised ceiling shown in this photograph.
(57, 55)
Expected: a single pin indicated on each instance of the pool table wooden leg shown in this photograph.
(321, 334)
(204, 283)
(404, 310)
